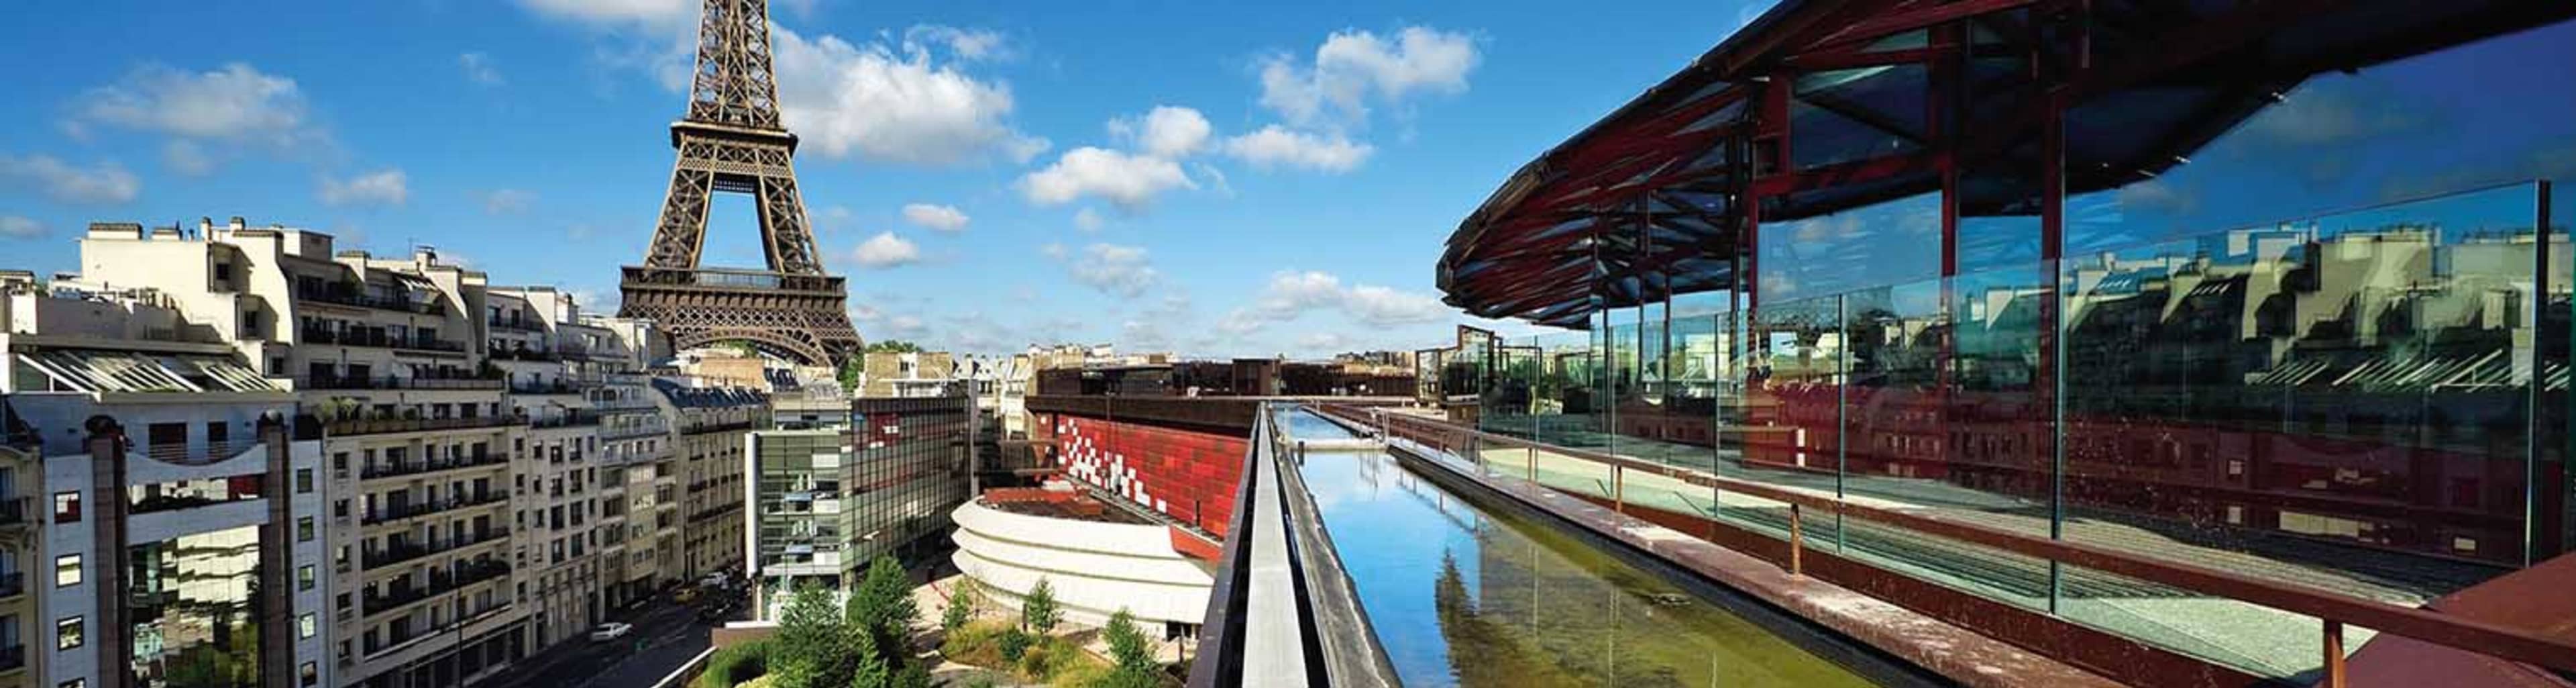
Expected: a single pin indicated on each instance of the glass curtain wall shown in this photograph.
(2336, 356)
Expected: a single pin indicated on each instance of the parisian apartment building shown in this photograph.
(394, 472)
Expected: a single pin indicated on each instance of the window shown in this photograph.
(67, 570)
(304, 481)
(67, 633)
(304, 529)
(74, 683)
(304, 577)
(309, 674)
(307, 625)
(67, 507)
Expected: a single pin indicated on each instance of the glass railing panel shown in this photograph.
(2018, 580)
(2341, 402)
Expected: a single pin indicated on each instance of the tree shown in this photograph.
(1134, 665)
(1038, 611)
(811, 650)
(892, 346)
(870, 671)
(881, 611)
(961, 605)
(851, 371)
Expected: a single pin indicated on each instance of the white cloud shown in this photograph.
(186, 158)
(1275, 146)
(945, 218)
(1381, 306)
(885, 250)
(478, 69)
(106, 182)
(873, 102)
(966, 44)
(578, 231)
(1129, 182)
(1088, 220)
(15, 227)
(1166, 131)
(505, 201)
(234, 103)
(387, 186)
(1116, 270)
(1352, 66)
(1292, 294)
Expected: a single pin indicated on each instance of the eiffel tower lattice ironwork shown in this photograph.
(731, 141)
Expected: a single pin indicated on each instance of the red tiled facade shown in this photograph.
(1189, 476)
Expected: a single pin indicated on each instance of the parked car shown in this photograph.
(610, 631)
(685, 595)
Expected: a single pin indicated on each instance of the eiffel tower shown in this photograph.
(731, 141)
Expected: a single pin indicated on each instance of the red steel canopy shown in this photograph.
(1822, 106)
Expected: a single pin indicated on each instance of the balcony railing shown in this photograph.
(396, 469)
(408, 551)
(397, 382)
(14, 511)
(544, 387)
(719, 426)
(353, 426)
(440, 582)
(398, 512)
(568, 419)
(537, 355)
(372, 338)
(515, 325)
(349, 297)
(13, 657)
(12, 585)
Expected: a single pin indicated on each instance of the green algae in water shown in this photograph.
(1516, 603)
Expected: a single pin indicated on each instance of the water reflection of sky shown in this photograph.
(1585, 618)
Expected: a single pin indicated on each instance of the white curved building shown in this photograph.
(1097, 563)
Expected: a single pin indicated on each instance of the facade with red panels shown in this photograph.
(1187, 475)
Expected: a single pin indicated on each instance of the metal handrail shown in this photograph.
(2334, 609)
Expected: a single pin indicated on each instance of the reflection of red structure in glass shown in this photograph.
(1189, 476)
(2420, 500)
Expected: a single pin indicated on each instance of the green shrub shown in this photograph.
(736, 664)
(1014, 645)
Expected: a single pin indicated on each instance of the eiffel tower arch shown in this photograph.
(732, 142)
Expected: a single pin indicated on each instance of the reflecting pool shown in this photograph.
(1462, 596)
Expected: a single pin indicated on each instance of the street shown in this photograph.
(667, 634)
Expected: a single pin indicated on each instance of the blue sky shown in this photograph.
(1290, 194)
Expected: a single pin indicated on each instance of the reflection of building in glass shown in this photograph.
(194, 604)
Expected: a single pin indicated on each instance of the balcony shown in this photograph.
(352, 426)
(545, 387)
(377, 339)
(13, 658)
(13, 585)
(409, 551)
(15, 510)
(352, 297)
(397, 469)
(416, 382)
(567, 419)
(440, 582)
(716, 426)
(529, 326)
(525, 355)
(397, 512)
